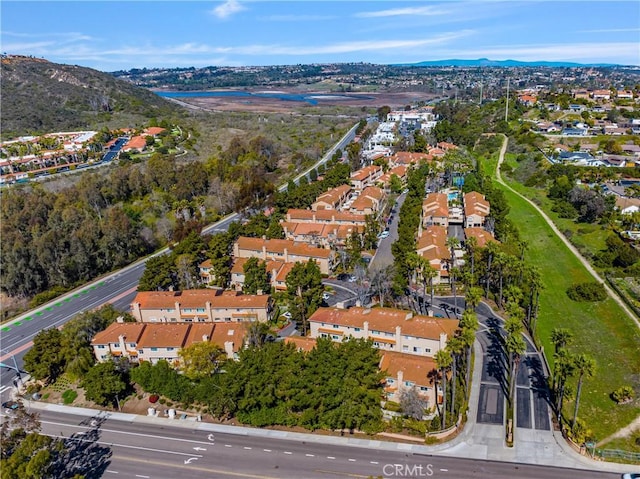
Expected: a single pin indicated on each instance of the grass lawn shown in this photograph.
(601, 330)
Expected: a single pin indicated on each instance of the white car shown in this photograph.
(287, 314)
(383, 235)
(326, 296)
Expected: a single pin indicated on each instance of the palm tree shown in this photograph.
(471, 244)
(585, 366)
(430, 274)
(491, 250)
(453, 243)
(514, 347)
(467, 337)
(472, 298)
(455, 347)
(563, 369)
(443, 361)
(560, 337)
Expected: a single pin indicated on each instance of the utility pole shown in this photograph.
(506, 110)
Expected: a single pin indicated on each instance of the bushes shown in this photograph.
(623, 394)
(69, 396)
(591, 291)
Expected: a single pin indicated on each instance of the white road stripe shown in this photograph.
(287, 452)
(113, 472)
(373, 462)
(248, 448)
(310, 455)
(228, 445)
(330, 457)
(352, 460)
(444, 470)
(267, 450)
(127, 446)
(144, 477)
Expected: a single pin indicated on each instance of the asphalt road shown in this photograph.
(151, 451)
(383, 256)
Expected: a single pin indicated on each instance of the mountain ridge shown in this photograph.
(485, 62)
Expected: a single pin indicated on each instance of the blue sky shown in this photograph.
(111, 35)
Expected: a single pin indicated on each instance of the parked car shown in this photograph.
(287, 314)
(326, 296)
(352, 279)
(383, 235)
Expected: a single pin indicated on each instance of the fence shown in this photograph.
(617, 454)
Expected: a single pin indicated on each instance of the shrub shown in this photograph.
(587, 292)
(154, 398)
(623, 394)
(392, 406)
(69, 396)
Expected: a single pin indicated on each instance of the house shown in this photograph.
(403, 372)
(476, 209)
(283, 250)
(577, 108)
(432, 245)
(575, 131)
(200, 306)
(581, 94)
(435, 210)
(154, 131)
(140, 342)
(627, 206)
(301, 343)
(205, 270)
(369, 202)
(601, 94)
(619, 161)
(527, 100)
(332, 199)
(135, 144)
(366, 176)
(625, 94)
(482, 236)
(575, 156)
(390, 329)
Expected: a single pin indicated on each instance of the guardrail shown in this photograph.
(617, 454)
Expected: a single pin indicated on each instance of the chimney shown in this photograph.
(205, 338)
(121, 341)
(430, 312)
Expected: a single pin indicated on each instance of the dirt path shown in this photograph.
(624, 432)
(555, 229)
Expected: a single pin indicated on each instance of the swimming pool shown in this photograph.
(452, 195)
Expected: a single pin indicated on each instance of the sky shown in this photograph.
(113, 35)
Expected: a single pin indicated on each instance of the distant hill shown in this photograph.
(40, 96)
(485, 62)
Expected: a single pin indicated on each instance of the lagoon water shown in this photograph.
(311, 98)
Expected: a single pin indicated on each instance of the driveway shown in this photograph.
(383, 256)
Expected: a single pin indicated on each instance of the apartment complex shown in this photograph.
(390, 329)
(435, 210)
(287, 251)
(200, 306)
(152, 342)
(404, 372)
(332, 199)
(432, 245)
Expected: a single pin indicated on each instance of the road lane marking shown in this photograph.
(373, 462)
(113, 472)
(287, 452)
(247, 448)
(140, 475)
(267, 450)
(124, 432)
(228, 445)
(444, 470)
(310, 455)
(126, 446)
(330, 457)
(352, 460)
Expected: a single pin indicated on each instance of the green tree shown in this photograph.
(220, 248)
(585, 367)
(561, 337)
(201, 359)
(443, 361)
(395, 184)
(45, 359)
(104, 384)
(256, 277)
(514, 347)
(304, 291)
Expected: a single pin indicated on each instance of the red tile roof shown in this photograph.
(279, 245)
(414, 368)
(195, 298)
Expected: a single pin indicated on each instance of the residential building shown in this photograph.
(301, 343)
(325, 235)
(400, 171)
(277, 271)
(140, 342)
(476, 209)
(366, 176)
(408, 158)
(435, 210)
(403, 372)
(283, 250)
(389, 329)
(482, 236)
(369, 202)
(200, 306)
(325, 217)
(432, 245)
(332, 199)
(627, 206)
(136, 144)
(601, 94)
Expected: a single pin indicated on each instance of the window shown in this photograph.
(200, 310)
(417, 349)
(187, 310)
(335, 337)
(427, 350)
(323, 335)
(357, 330)
(424, 388)
(101, 346)
(170, 349)
(169, 310)
(408, 383)
(388, 334)
(405, 348)
(376, 344)
(336, 326)
(132, 345)
(140, 351)
(154, 349)
(104, 356)
(391, 381)
(115, 345)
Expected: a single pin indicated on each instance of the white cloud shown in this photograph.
(226, 9)
(610, 30)
(395, 12)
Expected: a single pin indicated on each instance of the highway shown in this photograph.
(162, 451)
(118, 288)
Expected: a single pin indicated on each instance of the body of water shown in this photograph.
(311, 98)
